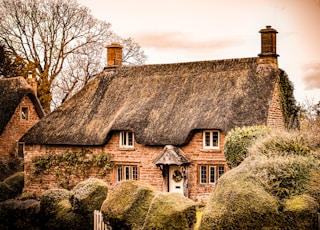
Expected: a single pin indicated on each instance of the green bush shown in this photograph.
(88, 195)
(280, 144)
(5, 191)
(171, 211)
(16, 183)
(10, 165)
(238, 140)
(276, 187)
(127, 204)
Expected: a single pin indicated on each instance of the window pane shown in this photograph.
(130, 138)
(221, 171)
(124, 139)
(24, 113)
(119, 173)
(134, 173)
(207, 138)
(127, 172)
(203, 174)
(215, 139)
(212, 174)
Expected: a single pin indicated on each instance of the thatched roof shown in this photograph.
(12, 90)
(162, 104)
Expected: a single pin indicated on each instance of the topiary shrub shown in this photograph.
(171, 211)
(88, 195)
(16, 183)
(5, 191)
(127, 204)
(10, 165)
(280, 144)
(20, 215)
(276, 187)
(238, 140)
(50, 198)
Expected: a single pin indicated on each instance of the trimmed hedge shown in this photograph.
(238, 140)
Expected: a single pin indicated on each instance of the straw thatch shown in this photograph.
(12, 90)
(162, 104)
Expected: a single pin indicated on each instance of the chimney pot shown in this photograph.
(268, 46)
(32, 82)
(114, 55)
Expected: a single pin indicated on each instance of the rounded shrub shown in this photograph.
(16, 183)
(238, 140)
(280, 144)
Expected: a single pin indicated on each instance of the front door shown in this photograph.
(176, 179)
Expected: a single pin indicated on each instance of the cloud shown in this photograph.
(183, 41)
(312, 76)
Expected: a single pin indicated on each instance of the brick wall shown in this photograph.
(17, 127)
(275, 117)
(141, 156)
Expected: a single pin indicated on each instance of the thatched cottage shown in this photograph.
(19, 111)
(163, 124)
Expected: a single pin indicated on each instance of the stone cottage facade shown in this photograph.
(161, 124)
(19, 111)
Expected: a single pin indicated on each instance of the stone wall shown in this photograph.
(17, 127)
(141, 156)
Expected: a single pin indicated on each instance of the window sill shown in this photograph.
(127, 148)
(210, 150)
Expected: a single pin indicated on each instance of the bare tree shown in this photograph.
(44, 33)
(89, 61)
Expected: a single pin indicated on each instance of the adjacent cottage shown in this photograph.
(19, 111)
(163, 124)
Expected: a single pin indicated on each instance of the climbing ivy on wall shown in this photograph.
(70, 164)
(288, 103)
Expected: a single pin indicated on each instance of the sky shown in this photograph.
(173, 31)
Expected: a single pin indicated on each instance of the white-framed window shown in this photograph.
(24, 113)
(126, 139)
(127, 172)
(208, 174)
(211, 139)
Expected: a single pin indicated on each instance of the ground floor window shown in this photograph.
(127, 172)
(209, 174)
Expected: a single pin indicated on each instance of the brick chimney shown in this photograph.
(32, 82)
(268, 53)
(114, 55)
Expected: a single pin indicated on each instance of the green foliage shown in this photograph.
(88, 195)
(281, 144)
(10, 165)
(9, 65)
(171, 211)
(127, 204)
(238, 140)
(288, 103)
(276, 186)
(70, 164)
(16, 183)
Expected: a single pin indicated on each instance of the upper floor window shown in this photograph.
(24, 113)
(126, 139)
(210, 139)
